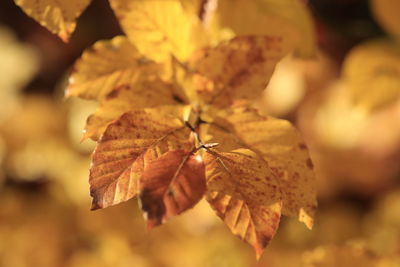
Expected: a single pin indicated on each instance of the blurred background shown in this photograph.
(345, 102)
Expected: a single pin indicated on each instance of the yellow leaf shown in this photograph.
(129, 145)
(159, 28)
(236, 71)
(59, 17)
(106, 66)
(280, 145)
(245, 194)
(288, 19)
(145, 92)
(387, 14)
(372, 73)
(170, 185)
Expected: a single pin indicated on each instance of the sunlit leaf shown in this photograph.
(235, 71)
(170, 185)
(159, 28)
(281, 146)
(245, 194)
(59, 17)
(127, 146)
(107, 66)
(145, 92)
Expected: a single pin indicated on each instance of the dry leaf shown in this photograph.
(146, 92)
(235, 71)
(59, 17)
(107, 66)
(245, 193)
(127, 146)
(170, 185)
(280, 145)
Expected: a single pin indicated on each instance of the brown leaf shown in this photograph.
(127, 146)
(245, 193)
(170, 185)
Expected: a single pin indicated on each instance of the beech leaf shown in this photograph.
(107, 66)
(280, 145)
(170, 185)
(245, 193)
(127, 146)
(146, 92)
(159, 28)
(59, 17)
(236, 71)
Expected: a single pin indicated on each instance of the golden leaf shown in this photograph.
(59, 17)
(170, 185)
(127, 146)
(372, 73)
(245, 193)
(280, 145)
(288, 19)
(159, 28)
(235, 71)
(146, 92)
(107, 65)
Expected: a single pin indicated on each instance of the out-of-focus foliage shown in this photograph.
(387, 14)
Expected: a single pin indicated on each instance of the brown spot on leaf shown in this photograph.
(115, 92)
(309, 163)
(302, 146)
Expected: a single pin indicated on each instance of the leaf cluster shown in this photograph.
(175, 122)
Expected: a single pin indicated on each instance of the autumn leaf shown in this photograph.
(170, 185)
(372, 73)
(280, 145)
(246, 195)
(59, 17)
(146, 92)
(236, 71)
(159, 28)
(125, 149)
(290, 20)
(107, 66)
